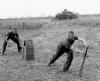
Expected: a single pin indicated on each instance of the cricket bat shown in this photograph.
(81, 69)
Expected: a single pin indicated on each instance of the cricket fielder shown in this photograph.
(13, 35)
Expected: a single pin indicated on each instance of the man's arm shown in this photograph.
(76, 50)
(6, 36)
(84, 41)
(17, 35)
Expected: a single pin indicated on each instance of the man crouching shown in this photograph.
(65, 46)
(13, 35)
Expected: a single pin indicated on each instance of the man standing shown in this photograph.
(65, 46)
(13, 35)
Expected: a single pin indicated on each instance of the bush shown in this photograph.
(66, 15)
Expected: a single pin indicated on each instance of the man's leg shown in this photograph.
(16, 40)
(59, 52)
(4, 46)
(69, 60)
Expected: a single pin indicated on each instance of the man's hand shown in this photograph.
(5, 39)
(87, 46)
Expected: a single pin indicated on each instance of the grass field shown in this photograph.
(46, 35)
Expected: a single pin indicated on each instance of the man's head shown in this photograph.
(70, 33)
(15, 30)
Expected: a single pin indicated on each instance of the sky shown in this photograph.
(32, 8)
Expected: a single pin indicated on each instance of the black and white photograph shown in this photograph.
(50, 40)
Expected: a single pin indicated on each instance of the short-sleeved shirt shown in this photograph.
(11, 34)
(69, 41)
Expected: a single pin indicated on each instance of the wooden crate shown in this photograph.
(28, 50)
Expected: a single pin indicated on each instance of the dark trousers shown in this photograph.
(14, 39)
(60, 51)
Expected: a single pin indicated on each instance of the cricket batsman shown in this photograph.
(65, 46)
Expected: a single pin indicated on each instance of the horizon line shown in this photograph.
(18, 17)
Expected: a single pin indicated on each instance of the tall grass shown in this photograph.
(85, 22)
(20, 25)
(37, 23)
(23, 23)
